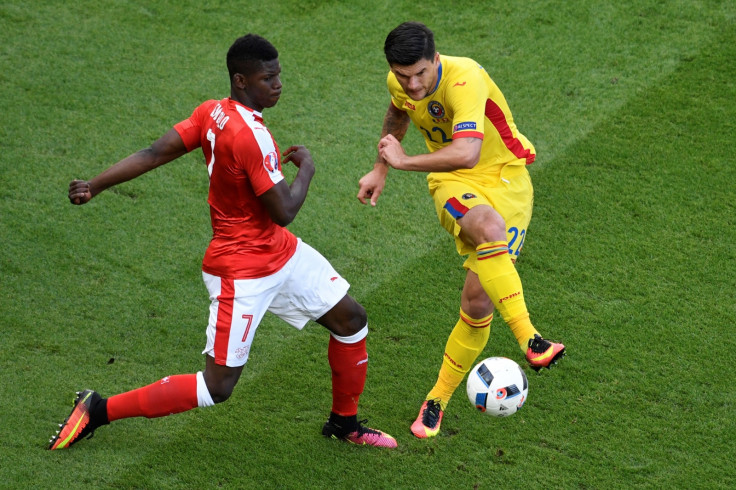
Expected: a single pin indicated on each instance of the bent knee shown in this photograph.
(478, 307)
(484, 225)
(220, 387)
(359, 320)
(220, 394)
(355, 323)
(493, 230)
(346, 318)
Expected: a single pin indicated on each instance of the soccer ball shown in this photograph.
(497, 386)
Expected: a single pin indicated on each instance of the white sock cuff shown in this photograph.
(353, 339)
(203, 394)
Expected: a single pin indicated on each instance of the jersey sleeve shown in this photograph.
(190, 129)
(257, 155)
(467, 96)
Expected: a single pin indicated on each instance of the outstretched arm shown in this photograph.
(165, 149)
(283, 201)
(395, 123)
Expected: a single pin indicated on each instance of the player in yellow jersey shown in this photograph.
(481, 189)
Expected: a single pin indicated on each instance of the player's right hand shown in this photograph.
(371, 185)
(79, 192)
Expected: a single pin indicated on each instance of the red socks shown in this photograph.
(168, 396)
(174, 394)
(349, 364)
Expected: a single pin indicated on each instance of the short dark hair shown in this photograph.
(408, 43)
(247, 54)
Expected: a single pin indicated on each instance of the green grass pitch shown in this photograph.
(630, 257)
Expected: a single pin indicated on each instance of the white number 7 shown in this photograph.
(211, 139)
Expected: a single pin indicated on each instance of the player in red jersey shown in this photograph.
(253, 263)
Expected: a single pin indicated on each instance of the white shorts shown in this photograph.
(304, 289)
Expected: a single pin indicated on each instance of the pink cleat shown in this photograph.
(363, 436)
(428, 422)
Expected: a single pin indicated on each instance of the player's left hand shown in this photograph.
(298, 155)
(390, 149)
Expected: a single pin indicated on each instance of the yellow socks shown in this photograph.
(523, 330)
(501, 282)
(465, 343)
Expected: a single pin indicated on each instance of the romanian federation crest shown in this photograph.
(435, 109)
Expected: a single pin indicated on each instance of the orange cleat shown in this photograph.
(79, 423)
(543, 353)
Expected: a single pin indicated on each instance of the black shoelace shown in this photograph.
(431, 414)
(538, 344)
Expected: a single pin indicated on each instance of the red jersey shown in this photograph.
(243, 162)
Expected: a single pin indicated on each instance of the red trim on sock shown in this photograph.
(480, 323)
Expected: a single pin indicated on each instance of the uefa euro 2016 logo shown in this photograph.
(271, 162)
(435, 109)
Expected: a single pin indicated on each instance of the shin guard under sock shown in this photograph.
(349, 365)
(466, 342)
(170, 395)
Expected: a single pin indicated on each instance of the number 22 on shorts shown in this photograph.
(516, 236)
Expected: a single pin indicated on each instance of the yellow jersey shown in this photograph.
(466, 103)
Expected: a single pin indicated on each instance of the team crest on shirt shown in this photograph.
(435, 109)
(271, 163)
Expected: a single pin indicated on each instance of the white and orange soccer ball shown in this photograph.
(497, 386)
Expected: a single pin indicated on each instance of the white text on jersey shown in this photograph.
(219, 116)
